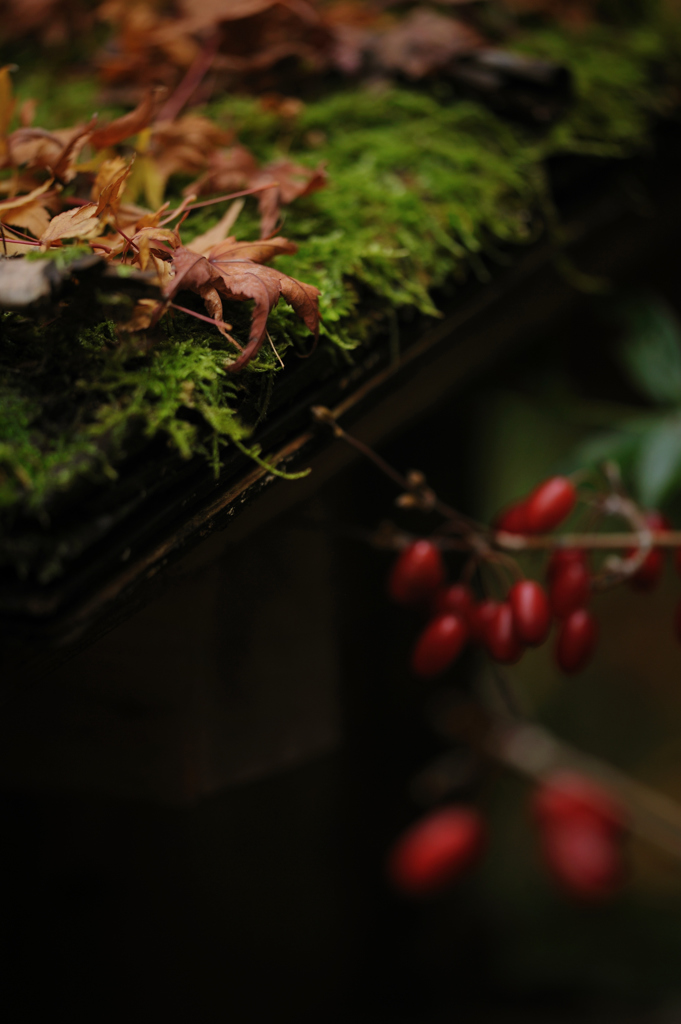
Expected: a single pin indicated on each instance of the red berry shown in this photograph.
(657, 520)
(584, 858)
(457, 599)
(440, 644)
(513, 519)
(502, 642)
(479, 619)
(567, 795)
(569, 587)
(576, 640)
(417, 573)
(531, 612)
(436, 850)
(549, 504)
(648, 573)
(561, 557)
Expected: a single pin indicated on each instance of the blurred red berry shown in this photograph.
(439, 645)
(457, 598)
(569, 587)
(561, 557)
(436, 850)
(576, 641)
(648, 573)
(531, 612)
(501, 639)
(584, 858)
(417, 573)
(479, 619)
(549, 504)
(567, 795)
(513, 519)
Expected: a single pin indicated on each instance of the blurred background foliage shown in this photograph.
(605, 387)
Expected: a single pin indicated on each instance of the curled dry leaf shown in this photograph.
(218, 233)
(142, 316)
(231, 271)
(186, 144)
(108, 171)
(424, 42)
(110, 197)
(56, 152)
(238, 168)
(293, 182)
(28, 211)
(7, 103)
(131, 123)
(82, 222)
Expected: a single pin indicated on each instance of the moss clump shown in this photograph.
(422, 189)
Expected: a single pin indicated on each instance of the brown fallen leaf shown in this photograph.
(228, 169)
(238, 168)
(110, 197)
(293, 182)
(131, 123)
(81, 222)
(56, 152)
(219, 232)
(154, 242)
(7, 103)
(424, 42)
(186, 144)
(227, 273)
(29, 211)
(107, 172)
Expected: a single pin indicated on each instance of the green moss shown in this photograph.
(423, 189)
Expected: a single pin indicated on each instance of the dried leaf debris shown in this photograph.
(385, 193)
(47, 213)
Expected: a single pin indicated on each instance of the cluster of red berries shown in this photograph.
(581, 832)
(506, 628)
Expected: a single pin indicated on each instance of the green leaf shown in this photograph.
(620, 445)
(658, 466)
(651, 351)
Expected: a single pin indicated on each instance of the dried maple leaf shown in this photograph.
(238, 168)
(107, 172)
(131, 123)
(186, 144)
(82, 223)
(110, 197)
(292, 180)
(55, 152)
(231, 271)
(28, 211)
(424, 42)
(219, 232)
(228, 169)
(54, 22)
(7, 103)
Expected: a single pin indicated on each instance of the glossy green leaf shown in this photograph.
(658, 466)
(651, 351)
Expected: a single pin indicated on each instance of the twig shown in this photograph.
(219, 199)
(413, 485)
(533, 751)
(590, 541)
